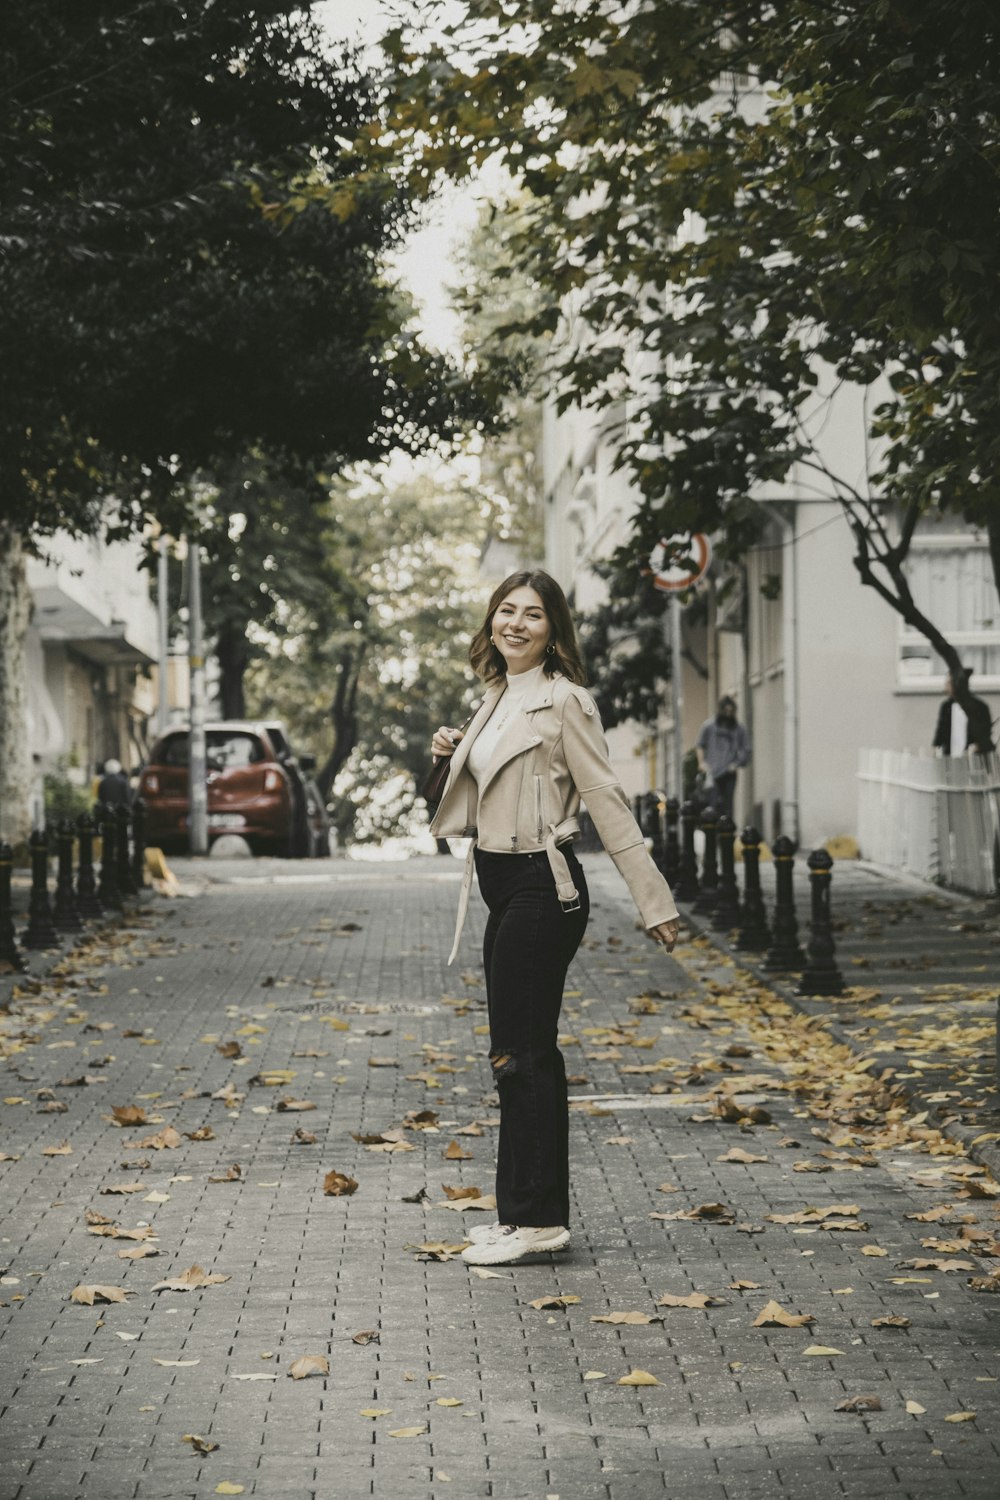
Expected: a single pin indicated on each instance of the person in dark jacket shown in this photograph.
(958, 732)
(723, 748)
(114, 788)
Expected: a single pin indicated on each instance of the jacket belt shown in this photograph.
(566, 891)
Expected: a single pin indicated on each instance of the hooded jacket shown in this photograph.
(551, 755)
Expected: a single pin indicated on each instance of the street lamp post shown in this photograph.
(197, 786)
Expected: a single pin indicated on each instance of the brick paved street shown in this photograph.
(331, 980)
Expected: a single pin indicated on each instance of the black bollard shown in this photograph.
(107, 886)
(123, 861)
(784, 952)
(687, 875)
(139, 880)
(87, 901)
(709, 893)
(40, 931)
(671, 844)
(10, 953)
(821, 976)
(67, 914)
(727, 907)
(754, 935)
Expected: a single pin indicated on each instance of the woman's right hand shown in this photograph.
(444, 741)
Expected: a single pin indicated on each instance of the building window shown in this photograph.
(951, 578)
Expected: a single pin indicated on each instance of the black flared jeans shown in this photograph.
(527, 949)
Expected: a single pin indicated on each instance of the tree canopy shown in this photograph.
(740, 209)
(177, 284)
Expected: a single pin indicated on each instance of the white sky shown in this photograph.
(426, 263)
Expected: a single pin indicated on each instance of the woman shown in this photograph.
(533, 749)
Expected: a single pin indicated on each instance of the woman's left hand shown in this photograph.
(666, 933)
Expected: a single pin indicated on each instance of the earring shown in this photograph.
(550, 649)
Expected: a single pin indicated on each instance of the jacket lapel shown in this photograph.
(521, 734)
(461, 755)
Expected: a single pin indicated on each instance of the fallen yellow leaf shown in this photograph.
(915, 1409)
(405, 1432)
(638, 1377)
(821, 1349)
(774, 1315)
(309, 1364)
(961, 1416)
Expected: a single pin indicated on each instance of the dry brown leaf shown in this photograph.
(92, 1216)
(815, 1215)
(921, 1263)
(557, 1300)
(203, 1133)
(301, 1137)
(874, 1251)
(88, 1295)
(338, 1185)
(821, 1349)
(407, 1432)
(367, 1336)
(288, 1105)
(774, 1315)
(230, 1049)
(743, 1158)
(167, 1140)
(231, 1174)
(129, 1114)
(309, 1364)
(744, 1286)
(175, 1364)
(191, 1280)
(436, 1249)
(859, 1404)
(454, 1152)
(961, 1416)
(199, 1444)
(125, 1187)
(693, 1299)
(460, 1192)
(637, 1319)
(138, 1252)
(891, 1320)
(63, 1149)
(638, 1377)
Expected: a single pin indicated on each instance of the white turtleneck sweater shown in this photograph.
(519, 685)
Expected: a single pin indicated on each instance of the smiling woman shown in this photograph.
(517, 775)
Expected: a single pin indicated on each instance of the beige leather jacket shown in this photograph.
(552, 754)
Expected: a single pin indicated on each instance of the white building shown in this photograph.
(819, 665)
(90, 656)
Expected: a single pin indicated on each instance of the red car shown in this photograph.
(249, 791)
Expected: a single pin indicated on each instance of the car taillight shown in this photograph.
(272, 781)
(150, 782)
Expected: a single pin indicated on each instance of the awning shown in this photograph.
(61, 621)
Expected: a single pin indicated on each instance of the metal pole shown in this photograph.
(197, 786)
(163, 633)
(677, 695)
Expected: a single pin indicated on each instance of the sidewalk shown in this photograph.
(922, 971)
(444, 1383)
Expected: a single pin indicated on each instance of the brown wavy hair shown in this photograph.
(489, 664)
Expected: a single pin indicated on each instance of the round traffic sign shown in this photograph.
(678, 562)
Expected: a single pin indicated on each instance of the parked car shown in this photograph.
(311, 835)
(250, 790)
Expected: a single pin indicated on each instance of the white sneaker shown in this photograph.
(513, 1242)
(480, 1232)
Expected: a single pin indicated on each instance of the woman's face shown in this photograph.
(521, 629)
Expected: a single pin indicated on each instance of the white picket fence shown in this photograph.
(938, 818)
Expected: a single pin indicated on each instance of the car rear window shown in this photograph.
(226, 749)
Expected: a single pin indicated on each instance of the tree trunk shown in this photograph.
(15, 751)
(233, 655)
(344, 718)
